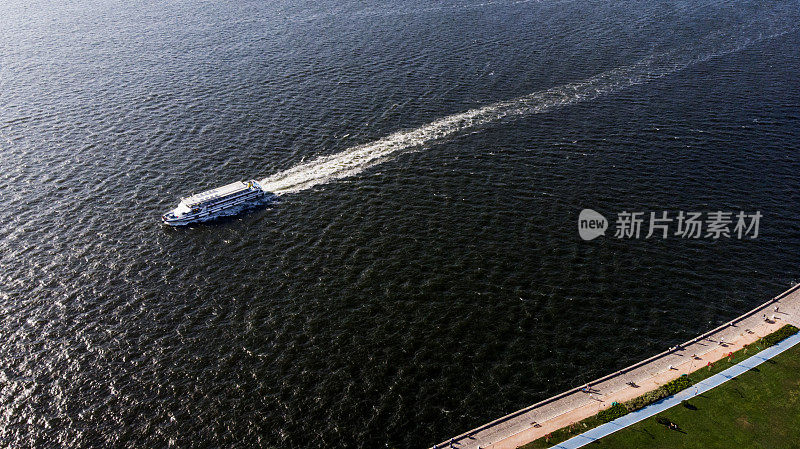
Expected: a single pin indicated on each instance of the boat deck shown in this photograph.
(225, 190)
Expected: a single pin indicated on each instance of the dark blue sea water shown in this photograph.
(422, 278)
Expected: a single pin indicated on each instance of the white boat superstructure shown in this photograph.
(214, 203)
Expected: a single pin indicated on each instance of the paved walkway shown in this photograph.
(535, 421)
(697, 389)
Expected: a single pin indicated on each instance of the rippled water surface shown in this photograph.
(421, 273)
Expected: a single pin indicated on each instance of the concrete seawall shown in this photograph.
(537, 420)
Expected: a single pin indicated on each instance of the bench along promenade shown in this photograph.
(538, 420)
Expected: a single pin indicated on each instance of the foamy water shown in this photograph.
(355, 160)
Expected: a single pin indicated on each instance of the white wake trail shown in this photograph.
(359, 158)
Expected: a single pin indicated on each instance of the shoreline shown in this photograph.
(695, 390)
(535, 421)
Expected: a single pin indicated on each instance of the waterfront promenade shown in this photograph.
(697, 389)
(537, 420)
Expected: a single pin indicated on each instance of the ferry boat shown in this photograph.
(214, 203)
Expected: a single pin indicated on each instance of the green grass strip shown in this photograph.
(668, 389)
